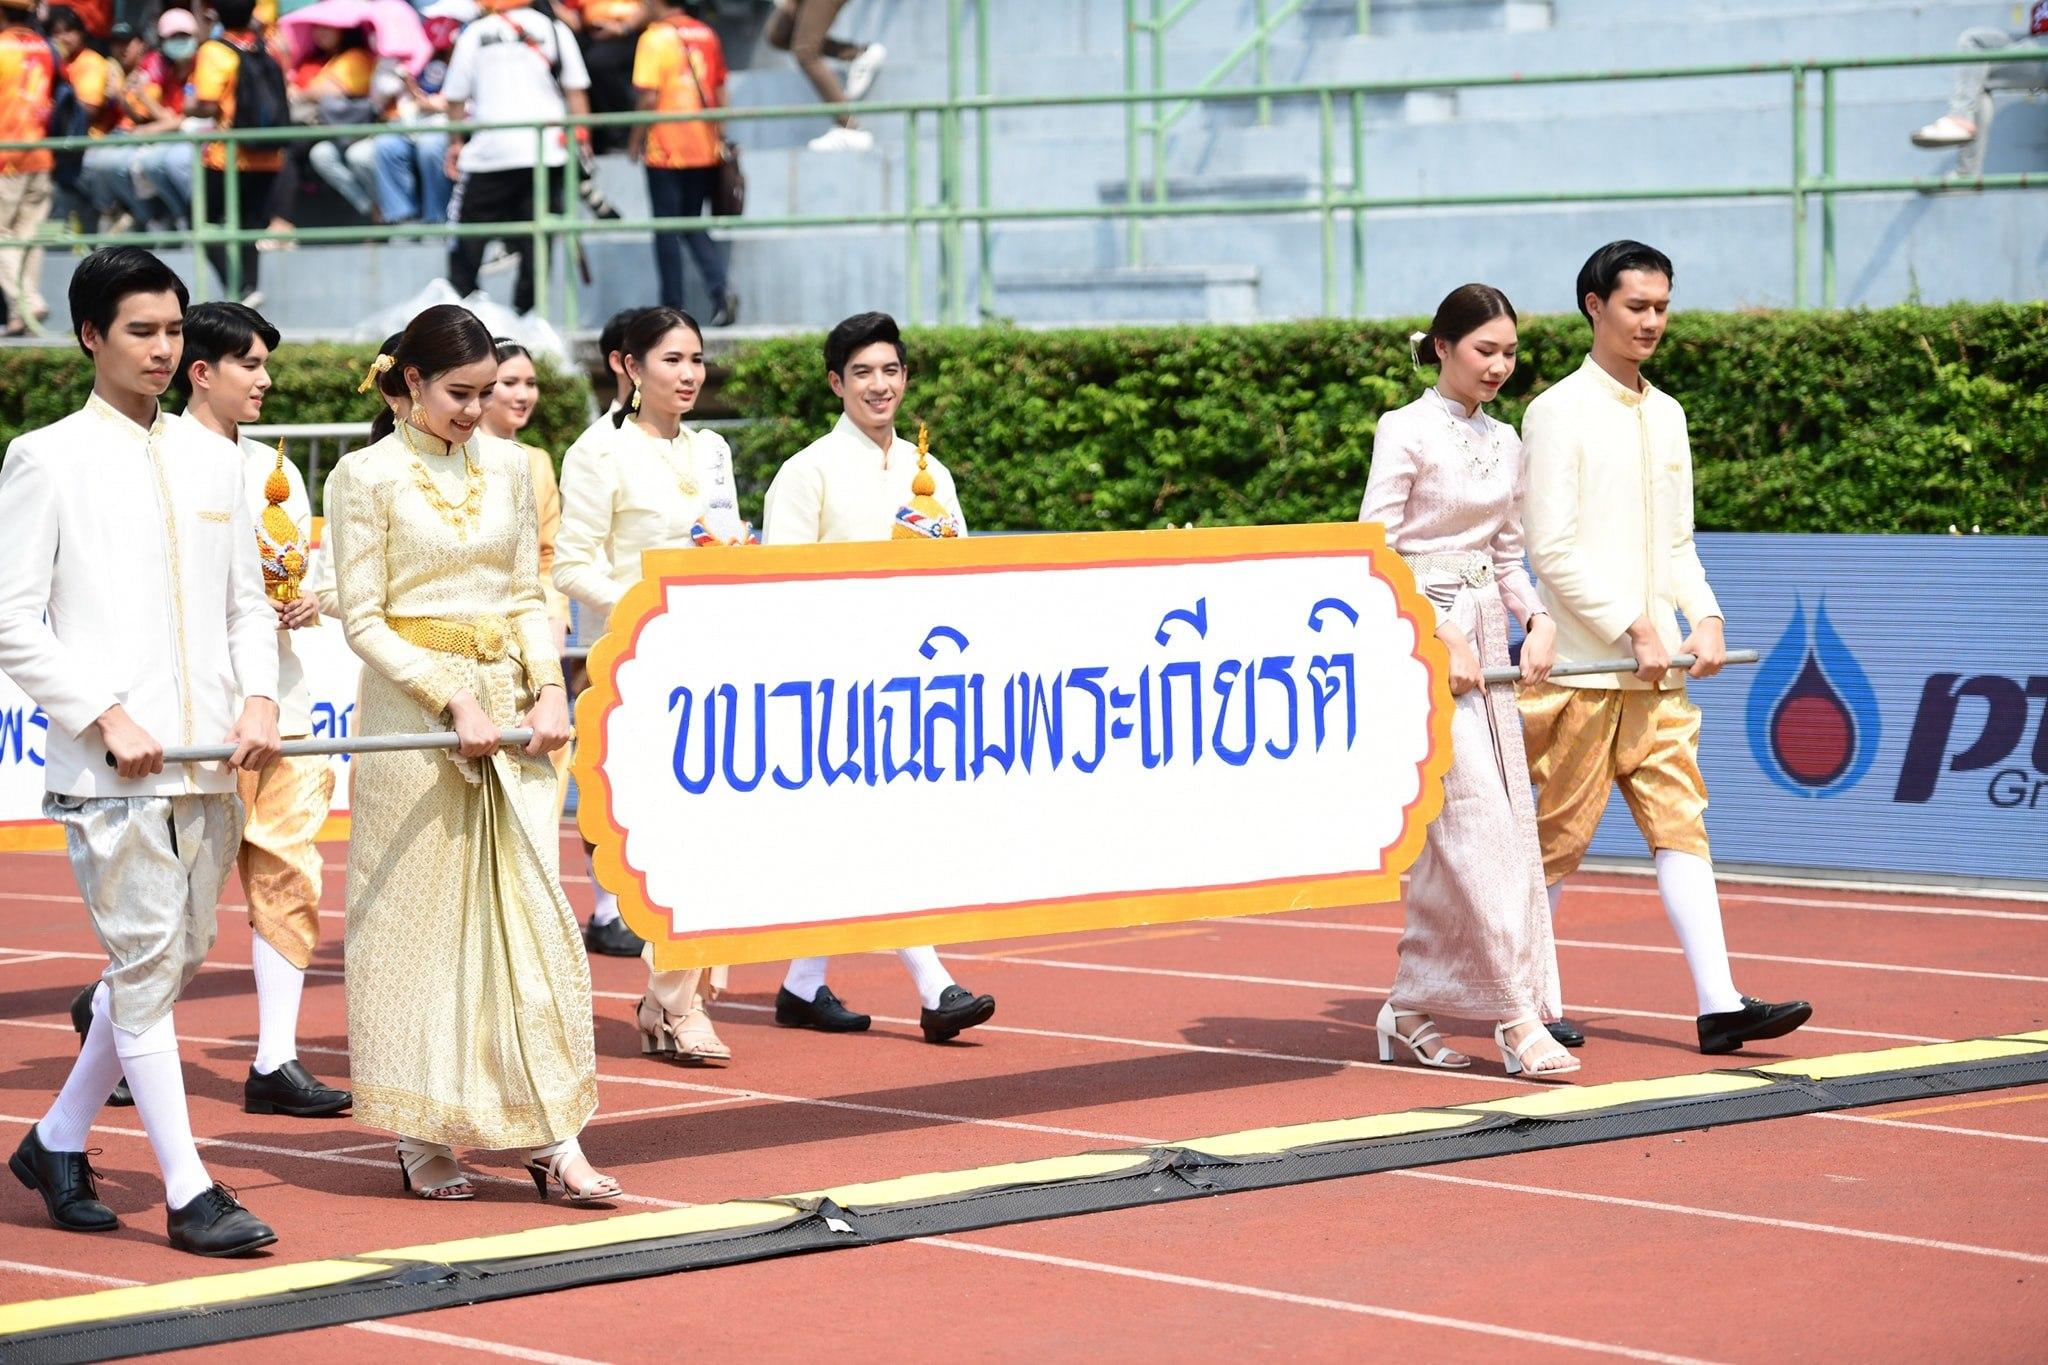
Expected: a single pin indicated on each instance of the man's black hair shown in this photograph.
(1602, 270)
(111, 274)
(856, 334)
(62, 19)
(235, 14)
(216, 331)
(613, 337)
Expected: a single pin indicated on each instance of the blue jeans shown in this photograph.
(412, 177)
(683, 194)
(108, 180)
(166, 171)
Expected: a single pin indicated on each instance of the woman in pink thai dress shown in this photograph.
(1446, 482)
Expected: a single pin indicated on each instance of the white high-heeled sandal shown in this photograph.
(1426, 1043)
(545, 1165)
(430, 1170)
(1516, 1057)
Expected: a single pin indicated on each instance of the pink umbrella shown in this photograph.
(396, 33)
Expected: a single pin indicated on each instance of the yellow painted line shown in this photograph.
(1973, 1104)
(1146, 937)
(1585, 1099)
(739, 1215)
(1277, 1141)
(35, 1315)
(2038, 1037)
(1900, 1059)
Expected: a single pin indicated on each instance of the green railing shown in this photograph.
(947, 213)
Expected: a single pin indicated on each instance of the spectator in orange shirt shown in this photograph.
(90, 75)
(156, 96)
(108, 181)
(216, 77)
(28, 73)
(679, 68)
(608, 31)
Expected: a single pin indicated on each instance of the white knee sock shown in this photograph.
(93, 1076)
(806, 977)
(157, 1080)
(927, 972)
(1556, 893)
(278, 987)
(1686, 882)
(607, 908)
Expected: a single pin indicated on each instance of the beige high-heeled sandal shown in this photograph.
(688, 1037)
(1549, 1060)
(430, 1170)
(1426, 1043)
(545, 1165)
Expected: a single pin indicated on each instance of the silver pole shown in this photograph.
(357, 744)
(1511, 674)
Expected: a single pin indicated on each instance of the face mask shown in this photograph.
(181, 48)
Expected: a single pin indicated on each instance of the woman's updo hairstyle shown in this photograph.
(443, 338)
(645, 333)
(1463, 311)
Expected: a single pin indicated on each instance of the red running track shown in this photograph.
(1904, 1232)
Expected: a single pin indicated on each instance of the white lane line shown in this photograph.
(389, 1165)
(1723, 1215)
(1258, 921)
(617, 1114)
(385, 1329)
(1932, 1128)
(16, 959)
(1306, 1300)
(1732, 892)
(1579, 1007)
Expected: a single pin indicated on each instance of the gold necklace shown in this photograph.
(463, 515)
(686, 481)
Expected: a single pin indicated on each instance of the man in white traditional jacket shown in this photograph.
(856, 483)
(1609, 521)
(132, 611)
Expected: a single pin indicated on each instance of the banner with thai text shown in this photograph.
(815, 749)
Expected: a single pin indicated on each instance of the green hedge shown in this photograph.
(1900, 420)
(312, 383)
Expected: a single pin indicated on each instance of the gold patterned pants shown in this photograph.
(280, 862)
(1583, 740)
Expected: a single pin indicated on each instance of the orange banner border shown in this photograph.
(992, 554)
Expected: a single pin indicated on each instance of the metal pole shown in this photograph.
(1358, 213)
(949, 174)
(912, 267)
(1158, 109)
(354, 744)
(1799, 187)
(1511, 674)
(1827, 194)
(572, 195)
(1131, 255)
(1364, 18)
(1264, 70)
(231, 216)
(1326, 135)
(982, 158)
(539, 245)
(196, 229)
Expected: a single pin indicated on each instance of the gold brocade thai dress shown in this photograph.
(468, 988)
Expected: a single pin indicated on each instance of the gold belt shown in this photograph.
(484, 638)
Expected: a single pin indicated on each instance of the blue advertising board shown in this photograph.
(1899, 720)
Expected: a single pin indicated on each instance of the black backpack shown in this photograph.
(68, 118)
(260, 100)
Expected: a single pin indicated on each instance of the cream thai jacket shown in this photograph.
(843, 487)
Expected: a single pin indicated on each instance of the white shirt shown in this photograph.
(843, 487)
(1608, 519)
(503, 68)
(128, 575)
(294, 701)
(624, 493)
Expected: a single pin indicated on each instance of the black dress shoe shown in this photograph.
(1566, 1033)
(612, 939)
(1756, 1020)
(823, 1013)
(293, 1090)
(957, 1010)
(214, 1224)
(81, 1020)
(65, 1181)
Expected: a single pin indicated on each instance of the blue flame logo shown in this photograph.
(1813, 719)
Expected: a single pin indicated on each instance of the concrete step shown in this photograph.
(1131, 294)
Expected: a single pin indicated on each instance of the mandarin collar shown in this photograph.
(107, 412)
(1457, 409)
(846, 428)
(1614, 388)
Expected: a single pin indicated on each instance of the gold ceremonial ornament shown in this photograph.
(277, 538)
(377, 368)
(924, 495)
(636, 395)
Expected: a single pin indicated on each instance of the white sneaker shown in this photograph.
(253, 299)
(1946, 131)
(844, 140)
(861, 71)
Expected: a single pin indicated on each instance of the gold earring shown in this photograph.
(636, 395)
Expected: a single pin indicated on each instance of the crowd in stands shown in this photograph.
(384, 75)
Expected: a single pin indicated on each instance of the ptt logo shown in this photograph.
(1813, 719)
(2007, 709)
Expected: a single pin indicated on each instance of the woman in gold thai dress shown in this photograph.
(468, 992)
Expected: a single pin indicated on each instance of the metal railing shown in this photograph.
(949, 215)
